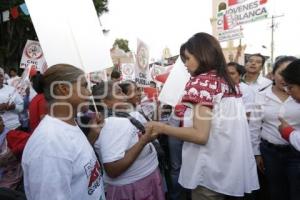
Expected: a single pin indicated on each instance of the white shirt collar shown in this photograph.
(269, 93)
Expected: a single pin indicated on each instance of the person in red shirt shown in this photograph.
(38, 105)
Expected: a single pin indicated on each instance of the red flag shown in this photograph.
(162, 77)
(232, 2)
(14, 12)
(32, 71)
(225, 23)
(150, 92)
(262, 1)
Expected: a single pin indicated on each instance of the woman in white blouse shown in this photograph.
(217, 158)
(274, 156)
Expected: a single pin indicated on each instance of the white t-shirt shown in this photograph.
(116, 137)
(248, 96)
(11, 117)
(60, 164)
(11, 81)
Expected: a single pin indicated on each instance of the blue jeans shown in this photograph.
(282, 170)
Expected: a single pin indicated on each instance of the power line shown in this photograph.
(273, 26)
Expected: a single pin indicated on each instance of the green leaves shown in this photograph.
(122, 44)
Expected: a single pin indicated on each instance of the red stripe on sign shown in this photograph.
(232, 2)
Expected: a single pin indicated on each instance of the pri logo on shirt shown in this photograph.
(93, 172)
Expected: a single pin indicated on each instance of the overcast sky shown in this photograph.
(169, 23)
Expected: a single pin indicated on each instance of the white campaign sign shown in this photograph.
(142, 73)
(174, 87)
(70, 32)
(33, 56)
(128, 71)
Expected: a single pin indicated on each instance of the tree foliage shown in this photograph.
(15, 32)
(101, 6)
(122, 44)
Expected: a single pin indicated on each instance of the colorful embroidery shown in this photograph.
(203, 88)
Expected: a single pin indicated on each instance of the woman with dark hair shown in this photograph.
(235, 71)
(124, 147)
(274, 156)
(58, 161)
(132, 91)
(291, 77)
(217, 158)
(38, 105)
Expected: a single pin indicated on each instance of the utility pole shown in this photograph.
(273, 26)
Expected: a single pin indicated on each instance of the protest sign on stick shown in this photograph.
(128, 71)
(173, 88)
(33, 55)
(70, 32)
(142, 72)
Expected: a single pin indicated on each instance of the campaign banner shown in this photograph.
(128, 71)
(142, 73)
(240, 12)
(33, 56)
(232, 34)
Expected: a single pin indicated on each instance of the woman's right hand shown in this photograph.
(260, 163)
(156, 127)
